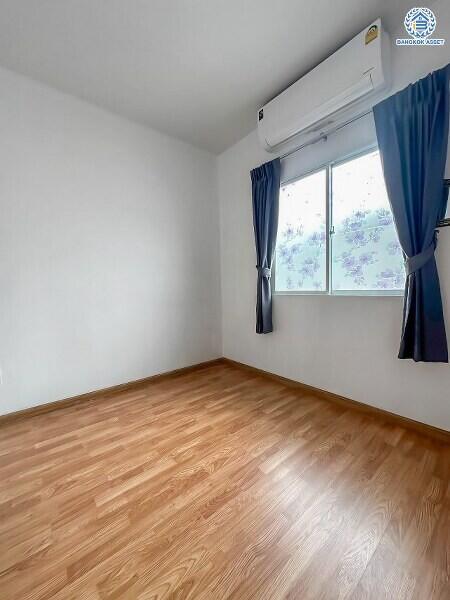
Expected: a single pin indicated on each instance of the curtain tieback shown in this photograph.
(264, 271)
(416, 262)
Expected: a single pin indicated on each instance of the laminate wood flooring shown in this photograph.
(217, 484)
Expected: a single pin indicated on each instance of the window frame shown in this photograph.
(328, 168)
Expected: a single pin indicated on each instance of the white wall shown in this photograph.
(109, 267)
(347, 345)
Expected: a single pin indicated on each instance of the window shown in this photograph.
(446, 220)
(301, 256)
(336, 232)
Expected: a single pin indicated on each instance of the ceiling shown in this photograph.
(194, 69)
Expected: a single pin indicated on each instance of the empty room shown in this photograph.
(224, 300)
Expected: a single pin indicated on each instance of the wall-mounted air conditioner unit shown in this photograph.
(345, 84)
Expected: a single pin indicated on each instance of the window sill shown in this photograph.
(346, 294)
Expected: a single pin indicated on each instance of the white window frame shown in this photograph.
(328, 167)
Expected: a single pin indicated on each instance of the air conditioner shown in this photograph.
(345, 84)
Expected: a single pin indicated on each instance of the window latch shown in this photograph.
(332, 230)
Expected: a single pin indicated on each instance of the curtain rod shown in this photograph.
(324, 136)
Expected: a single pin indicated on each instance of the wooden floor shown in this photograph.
(220, 484)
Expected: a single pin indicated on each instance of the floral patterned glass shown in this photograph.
(301, 255)
(366, 254)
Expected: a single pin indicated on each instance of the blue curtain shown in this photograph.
(265, 195)
(412, 130)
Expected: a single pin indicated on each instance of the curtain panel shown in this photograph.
(412, 129)
(265, 197)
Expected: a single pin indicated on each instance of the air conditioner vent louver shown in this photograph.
(320, 126)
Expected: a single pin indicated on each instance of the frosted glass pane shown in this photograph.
(447, 212)
(366, 254)
(301, 242)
